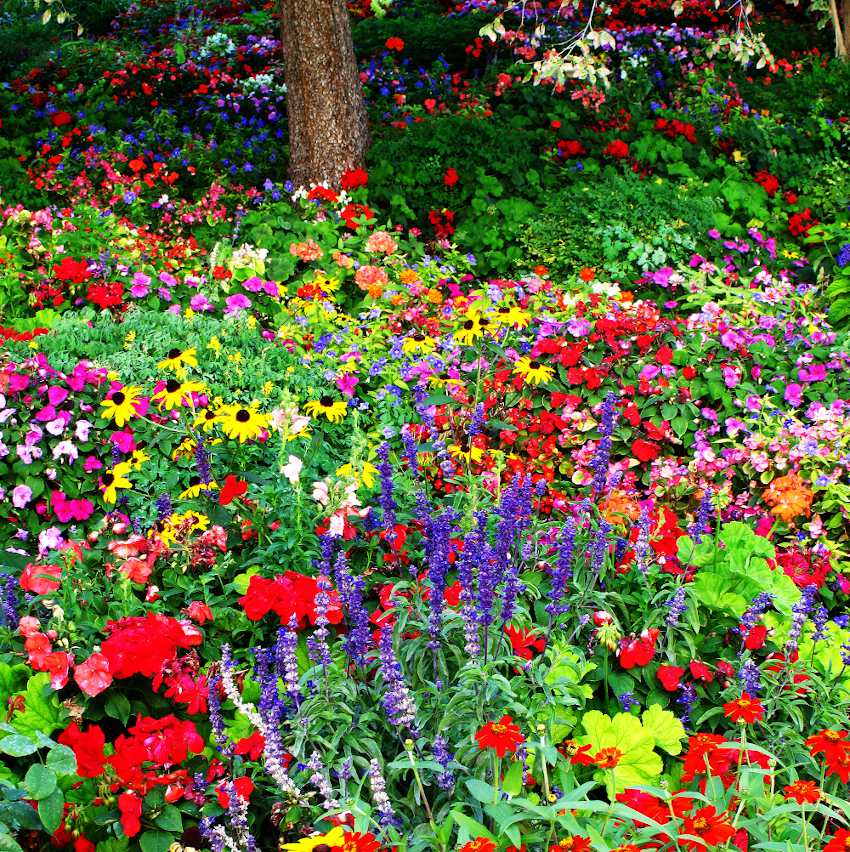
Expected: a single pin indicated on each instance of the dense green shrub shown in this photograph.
(620, 222)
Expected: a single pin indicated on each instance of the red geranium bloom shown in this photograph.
(803, 792)
(480, 844)
(525, 643)
(130, 806)
(713, 828)
(75, 271)
(700, 671)
(645, 450)
(93, 675)
(394, 43)
(233, 487)
(288, 595)
(450, 178)
(243, 788)
(87, 748)
(638, 650)
(354, 178)
(617, 149)
(41, 579)
(60, 119)
(744, 709)
(503, 736)
(840, 842)
(571, 843)
(670, 677)
(251, 746)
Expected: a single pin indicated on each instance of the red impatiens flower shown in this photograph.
(617, 149)
(700, 671)
(479, 844)
(525, 643)
(670, 677)
(93, 675)
(711, 828)
(744, 709)
(243, 787)
(450, 178)
(394, 43)
(502, 736)
(87, 747)
(354, 178)
(645, 451)
(75, 271)
(61, 118)
(803, 792)
(840, 842)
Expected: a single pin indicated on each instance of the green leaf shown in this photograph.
(51, 810)
(118, 707)
(156, 841)
(40, 781)
(471, 827)
(62, 760)
(42, 712)
(170, 819)
(665, 728)
(482, 791)
(8, 843)
(17, 745)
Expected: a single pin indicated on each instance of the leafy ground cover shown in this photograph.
(495, 500)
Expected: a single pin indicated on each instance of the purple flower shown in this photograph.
(676, 606)
(563, 571)
(398, 702)
(21, 495)
(602, 457)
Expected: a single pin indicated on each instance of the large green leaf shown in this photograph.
(667, 731)
(42, 710)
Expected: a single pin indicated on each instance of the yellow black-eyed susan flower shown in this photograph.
(196, 488)
(121, 405)
(243, 424)
(418, 344)
(179, 359)
(113, 480)
(533, 371)
(513, 316)
(173, 394)
(138, 458)
(178, 526)
(333, 409)
(473, 327)
(334, 838)
(466, 452)
(206, 419)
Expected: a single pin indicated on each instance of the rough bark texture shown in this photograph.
(328, 133)
(845, 15)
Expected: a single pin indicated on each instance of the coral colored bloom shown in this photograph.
(712, 828)
(803, 792)
(480, 844)
(840, 842)
(571, 843)
(502, 736)
(93, 675)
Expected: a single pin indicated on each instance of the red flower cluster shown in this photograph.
(673, 128)
(503, 736)
(768, 181)
(835, 748)
(288, 595)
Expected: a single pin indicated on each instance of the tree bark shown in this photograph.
(845, 16)
(840, 43)
(328, 133)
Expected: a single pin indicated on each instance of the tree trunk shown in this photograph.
(840, 35)
(328, 134)
(845, 16)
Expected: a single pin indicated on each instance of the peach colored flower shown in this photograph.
(381, 241)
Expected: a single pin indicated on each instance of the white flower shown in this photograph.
(292, 469)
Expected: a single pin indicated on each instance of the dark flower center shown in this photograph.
(172, 385)
(469, 325)
(209, 415)
(418, 337)
(118, 398)
(534, 365)
(326, 401)
(174, 353)
(108, 479)
(243, 416)
(194, 480)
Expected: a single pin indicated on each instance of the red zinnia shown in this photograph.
(744, 709)
(571, 843)
(503, 736)
(357, 842)
(480, 844)
(840, 842)
(712, 828)
(803, 792)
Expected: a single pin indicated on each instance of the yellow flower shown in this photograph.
(418, 344)
(335, 837)
(138, 458)
(178, 360)
(177, 527)
(196, 488)
(333, 409)
(533, 371)
(121, 406)
(366, 473)
(175, 394)
(185, 449)
(214, 344)
(468, 452)
(513, 315)
(474, 326)
(242, 423)
(206, 419)
(267, 388)
(114, 479)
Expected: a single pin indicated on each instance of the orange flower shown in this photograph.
(618, 506)
(712, 828)
(480, 844)
(607, 758)
(789, 497)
